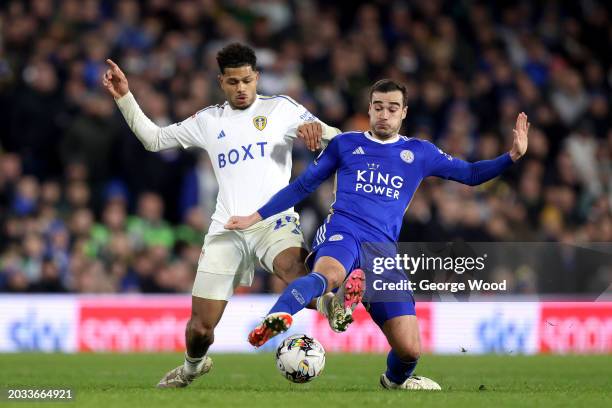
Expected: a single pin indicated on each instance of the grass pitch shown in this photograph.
(240, 380)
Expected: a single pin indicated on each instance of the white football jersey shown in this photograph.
(250, 150)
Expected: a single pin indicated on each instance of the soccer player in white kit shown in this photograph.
(249, 140)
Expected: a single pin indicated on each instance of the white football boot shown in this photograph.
(178, 378)
(412, 383)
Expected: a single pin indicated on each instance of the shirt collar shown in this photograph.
(368, 135)
(233, 112)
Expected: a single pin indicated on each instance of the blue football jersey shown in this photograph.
(376, 180)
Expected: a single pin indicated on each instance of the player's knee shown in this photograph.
(334, 277)
(332, 270)
(203, 331)
(408, 352)
(289, 268)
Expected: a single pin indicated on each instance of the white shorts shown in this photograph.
(228, 257)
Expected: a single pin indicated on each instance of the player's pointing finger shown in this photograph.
(114, 66)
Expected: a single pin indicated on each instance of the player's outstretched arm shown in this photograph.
(152, 137)
(318, 171)
(286, 198)
(442, 165)
(146, 131)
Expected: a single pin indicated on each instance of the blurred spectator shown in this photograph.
(148, 228)
(50, 280)
(91, 136)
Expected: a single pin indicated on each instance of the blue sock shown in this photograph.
(299, 293)
(398, 371)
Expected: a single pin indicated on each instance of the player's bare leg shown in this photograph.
(199, 335)
(402, 333)
(289, 264)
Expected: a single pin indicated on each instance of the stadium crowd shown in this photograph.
(84, 208)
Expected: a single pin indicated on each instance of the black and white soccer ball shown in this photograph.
(300, 358)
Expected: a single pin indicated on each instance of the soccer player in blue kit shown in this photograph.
(377, 173)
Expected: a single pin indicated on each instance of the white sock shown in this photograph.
(193, 365)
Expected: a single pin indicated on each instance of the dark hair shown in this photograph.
(389, 85)
(236, 55)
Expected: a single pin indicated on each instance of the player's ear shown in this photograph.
(220, 79)
(404, 112)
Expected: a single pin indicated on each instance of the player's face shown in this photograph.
(239, 86)
(386, 112)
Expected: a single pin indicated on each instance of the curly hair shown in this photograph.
(236, 55)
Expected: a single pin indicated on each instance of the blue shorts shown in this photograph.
(380, 312)
(338, 242)
(347, 243)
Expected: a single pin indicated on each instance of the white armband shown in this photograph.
(329, 133)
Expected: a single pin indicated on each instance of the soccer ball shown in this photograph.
(300, 358)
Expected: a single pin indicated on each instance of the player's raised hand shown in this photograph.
(311, 133)
(519, 145)
(114, 80)
(237, 222)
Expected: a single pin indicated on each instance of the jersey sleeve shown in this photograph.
(317, 172)
(187, 133)
(298, 114)
(191, 132)
(439, 164)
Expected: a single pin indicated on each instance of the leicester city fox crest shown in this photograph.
(407, 156)
(260, 122)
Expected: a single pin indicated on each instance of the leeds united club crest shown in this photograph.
(260, 122)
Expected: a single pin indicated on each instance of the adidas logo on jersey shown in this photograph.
(222, 134)
(358, 150)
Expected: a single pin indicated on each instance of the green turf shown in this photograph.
(115, 380)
